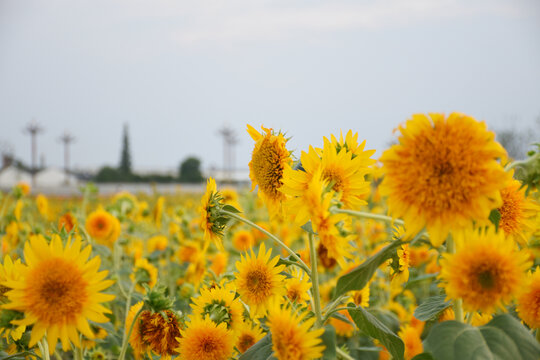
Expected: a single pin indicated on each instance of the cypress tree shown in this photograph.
(125, 157)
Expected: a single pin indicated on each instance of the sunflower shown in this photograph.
(59, 291)
(144, 273)
(243, 240)
(298, 286)
(361, 297)
(220, 305)
(518, 213)
(103, 227)
(411, 340)
(268, 160)
(157, 214)
(136, 338)
(9, 271)
(400, 270)
(247, 336)
(43, 205)
(486, 272)
(67, 221)
(158, 242)
(211, 221)
(443, 174)
(292, 337)
(258, 280)
(529, 302)
(219, 263)
(350, 144)
(203, 339)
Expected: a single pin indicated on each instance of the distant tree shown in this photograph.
(190, 170)
(125, 157)
(108, 174)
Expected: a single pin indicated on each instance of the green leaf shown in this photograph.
(503, 338)
(423, 356)
(262, 350)
(431, 307)
(359, 277)
(369, 324)
(289, 260)
(329, 340)
(308, 228)
(495, 217)
(231, 208)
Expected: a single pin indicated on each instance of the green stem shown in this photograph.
(300, 263)
(116, 261)
(343, 354)
(125, 342)
(367, 215)
(458, 303)
(315, 282)
(44, 348)
(522, 162)
(330, 307)
(538, 335)
(333, 311)
(128, 304)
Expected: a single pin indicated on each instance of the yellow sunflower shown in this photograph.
(248, 335)
(136, 337)
(220, 305)
(103, 227)
(518, 213)
(43, 205)
(292, 337)
(59, 291)
(443, 174)
(144, 273)
(67, 221)
(529, 302)
(298, 286)
(243, 240)
(157, 242)
(9, 271)
(411, 340)
(210, 219)
(203, 339)
(487, 271)
(350, 144)
(258, 280)
(269, 158)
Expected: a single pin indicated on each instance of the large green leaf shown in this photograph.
(371, 326)
(431, 307)
(359, 277)
(262, 350)
(329, 340)
(503, 338)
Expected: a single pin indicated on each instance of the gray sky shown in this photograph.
(176, 71)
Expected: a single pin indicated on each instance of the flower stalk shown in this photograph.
(458, 303)
(366, 215)
(315, 282)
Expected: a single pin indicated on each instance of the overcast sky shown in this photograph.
(177, 71)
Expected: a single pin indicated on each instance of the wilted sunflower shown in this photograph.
(247, 336)
(443, 174)
(292, 337)
(212, 223)
(203, 339)
(269, 158)
(258, 280)
(220, 305)
(59, 291)
(487, 271)
(529, 301)
(518, 213)
(103, 227)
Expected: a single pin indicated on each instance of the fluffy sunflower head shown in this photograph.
(292, 337)
(487, 271)
(59, 291)
(268, 160)
(529, 301)
(518, 213)
(258, 280)
(443, 174)
(220, 305)
(203, 339)
(212, 223)
(103, 227)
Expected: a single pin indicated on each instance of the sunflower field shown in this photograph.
(429, 252)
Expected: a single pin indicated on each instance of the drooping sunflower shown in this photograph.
(211, 221)
(518, 213)
(103, 227)
(528, 302)
(220, 305)
(59, 291)
(487, 271)
(443, 174)
(258, 280)
(247, 336)
(268, 160)
(203, 339)
(292, 337)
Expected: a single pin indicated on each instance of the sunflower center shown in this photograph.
(208, 345)
(486, 279)
(245, 342)
(56, 291)
(258, 281)
(293, 294)
(267, 168)
(334, 176)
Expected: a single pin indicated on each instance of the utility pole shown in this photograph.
(229, 140)
(33, 129)
(67, 139)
